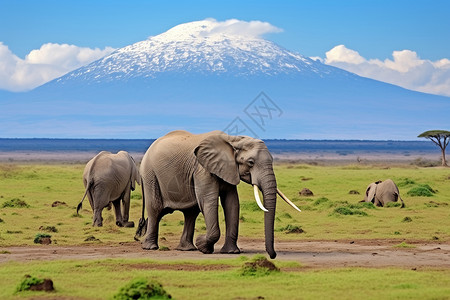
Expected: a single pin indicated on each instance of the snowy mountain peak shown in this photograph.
(212, 30)
(232, 48)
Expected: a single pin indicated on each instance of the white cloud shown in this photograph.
(212, 28)
(44, 64)
(405, 69)
(237, 27)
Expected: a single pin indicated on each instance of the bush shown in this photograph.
(423, 190)
(15, 202)
(140, 288)
(258, 266)
(42, 238)
(28, 282)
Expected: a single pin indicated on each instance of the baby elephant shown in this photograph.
(382, 192)
(110, 178)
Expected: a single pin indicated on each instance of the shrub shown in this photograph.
(27, 282)
(42, 238)
(423, 190)
(140, 288)
(15, 202)
(258, 266)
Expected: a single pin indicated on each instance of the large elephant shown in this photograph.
(382, 192)
(189, 172)
(110, 178)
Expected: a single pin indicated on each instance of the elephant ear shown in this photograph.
(217, 156)
(371, 191)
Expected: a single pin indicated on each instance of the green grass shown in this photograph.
(332, 213)
(85, 279)
(324, 216)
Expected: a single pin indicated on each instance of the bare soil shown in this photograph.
(310, 254)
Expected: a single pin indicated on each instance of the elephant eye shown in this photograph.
(250, 162)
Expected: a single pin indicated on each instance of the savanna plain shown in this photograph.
(336, 248)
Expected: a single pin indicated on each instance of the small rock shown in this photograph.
(58, 203)
(46, 286)
(46, 241)
(306, 192)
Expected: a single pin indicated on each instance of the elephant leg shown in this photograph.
(187, 238)
(207, 193)
(126, 207)
(117, 212)
(97, 218)
(154, 207)
(230, 203)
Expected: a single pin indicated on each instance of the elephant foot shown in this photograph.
(125, 224)
(128, 224)
(186, 246)
(149, 245)
(230, 248)
(203, 245)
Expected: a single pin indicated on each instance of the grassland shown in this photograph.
(331, 214)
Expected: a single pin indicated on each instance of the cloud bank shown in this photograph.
(405, 69)
(44, 64)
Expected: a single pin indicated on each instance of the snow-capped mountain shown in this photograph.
(196, 48)
(199, 78)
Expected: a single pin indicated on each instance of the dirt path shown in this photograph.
(311, 254)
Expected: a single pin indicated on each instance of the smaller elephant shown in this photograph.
(382, 192)
(110, 178)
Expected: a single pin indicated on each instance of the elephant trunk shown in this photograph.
(268, 185)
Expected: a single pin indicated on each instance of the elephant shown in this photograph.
(190, 172)
(382, 192)
(110, 178)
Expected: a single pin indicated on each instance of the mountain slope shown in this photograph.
(196, 78)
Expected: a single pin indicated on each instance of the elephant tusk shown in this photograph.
(258, 200)
(287, 200)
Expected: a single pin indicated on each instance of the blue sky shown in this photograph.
(373, 29)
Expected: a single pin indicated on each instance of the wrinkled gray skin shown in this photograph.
(382, 192)
(187, 172)
(110, 178)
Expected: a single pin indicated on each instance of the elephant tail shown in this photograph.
(142, 227)
(403, 203)
(88, 187)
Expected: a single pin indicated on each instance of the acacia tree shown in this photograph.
(440, 138)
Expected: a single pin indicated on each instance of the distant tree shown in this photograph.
(440, 138)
